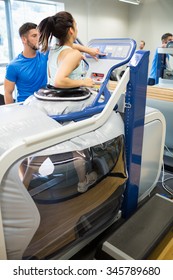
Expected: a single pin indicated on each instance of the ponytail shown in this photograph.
(57, 26)
(46, 29)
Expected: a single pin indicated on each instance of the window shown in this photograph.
(13, 14)
(3, 42)
(32, 11)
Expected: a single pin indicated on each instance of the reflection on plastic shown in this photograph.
(46, 167)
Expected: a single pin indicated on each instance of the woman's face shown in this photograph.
(75, 29)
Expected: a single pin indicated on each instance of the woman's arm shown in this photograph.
(68, 61)
(91, 51)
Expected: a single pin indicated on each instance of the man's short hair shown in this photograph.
(26, 27)
(165, 36)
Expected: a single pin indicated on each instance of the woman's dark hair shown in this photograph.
(26, 27)
(57, 26)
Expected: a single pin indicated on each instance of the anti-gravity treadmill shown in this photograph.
(43, 216)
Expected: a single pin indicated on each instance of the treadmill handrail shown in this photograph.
(94, 108)
(165, 50)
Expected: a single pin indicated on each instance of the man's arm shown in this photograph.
(8, 91)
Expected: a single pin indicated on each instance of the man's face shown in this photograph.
(31, 39)
(165, 41)
(141, 45)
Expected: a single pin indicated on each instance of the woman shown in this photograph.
(65, 67)
(65, 71)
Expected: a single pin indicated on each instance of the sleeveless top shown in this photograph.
(53, 64)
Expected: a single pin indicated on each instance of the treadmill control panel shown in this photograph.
(116, 51)
(110, 50)
(113, 52)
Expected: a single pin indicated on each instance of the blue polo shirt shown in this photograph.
(29, 74)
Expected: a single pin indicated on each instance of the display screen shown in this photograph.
(117, 51)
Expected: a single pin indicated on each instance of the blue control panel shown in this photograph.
(118, 49)
(112, 53)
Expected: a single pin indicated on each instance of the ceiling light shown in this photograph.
(135, 2)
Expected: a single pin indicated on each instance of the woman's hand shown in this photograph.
(94, 52)
(88, 82)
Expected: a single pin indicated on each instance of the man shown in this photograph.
(142, 45)
(152, 80)
(28, 71)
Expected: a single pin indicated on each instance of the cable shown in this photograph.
(166, 179)
(169, 178)
(166, 147)
(167, 189)
(163, 180)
